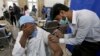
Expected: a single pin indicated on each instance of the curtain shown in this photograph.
(22, 3)
(86, 4)
(40, 5)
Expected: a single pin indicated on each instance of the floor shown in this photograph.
(6, 52)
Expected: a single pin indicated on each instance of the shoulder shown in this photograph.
(42, 30)
(86, 14)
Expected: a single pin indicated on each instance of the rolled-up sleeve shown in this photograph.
(45, 36)
(18, 50)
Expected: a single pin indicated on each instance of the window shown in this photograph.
(32, 0)
(10, 2)
(31, 3)
(69, 2)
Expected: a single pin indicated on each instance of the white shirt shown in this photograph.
(27, 12)
(34, 47)
(1, 13)
(85, 27)
(4, 9)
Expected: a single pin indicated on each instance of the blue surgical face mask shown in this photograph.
(63, 21)
(34, 34)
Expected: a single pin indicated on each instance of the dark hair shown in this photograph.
(33, 5)
(25, 7)
(10, 8)
(56, 10)
(14, 4)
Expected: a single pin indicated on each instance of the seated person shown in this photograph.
(31, 40)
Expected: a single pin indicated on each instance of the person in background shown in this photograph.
(16, 11)
(5, 12)
(22, 12)
(12, 15)
(4, 8)
(85, 25)
(33, 12)
(31, 40)
(34, 9)
(44, 10)
(48, 14)
(26, 10)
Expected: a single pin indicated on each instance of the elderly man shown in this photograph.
(31, 40)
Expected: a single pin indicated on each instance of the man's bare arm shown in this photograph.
(57, 51)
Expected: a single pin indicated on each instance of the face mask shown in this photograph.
(34, 34)
(63, 21)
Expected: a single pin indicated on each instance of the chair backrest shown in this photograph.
(2, 32)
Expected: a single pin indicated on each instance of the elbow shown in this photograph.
(79, 41)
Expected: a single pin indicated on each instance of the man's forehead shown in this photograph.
(29, 24)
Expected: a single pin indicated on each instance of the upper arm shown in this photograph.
(45, 36)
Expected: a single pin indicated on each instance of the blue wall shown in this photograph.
(93, 5)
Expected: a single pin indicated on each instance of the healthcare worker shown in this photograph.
(32, 40)
(85, 26)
